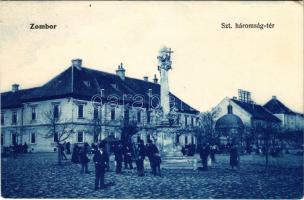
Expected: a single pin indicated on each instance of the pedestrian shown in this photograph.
(14, 150)
(94, 148)
(212, 153)
(118, 152)
(25, 148)
(61, 149)
(204, 153)
(140, 156)
(75, 154)
(151, 150)
(100, 160)
(234, 158)
(68, 147)
(128, 157)
(157, 161)
(84, 160)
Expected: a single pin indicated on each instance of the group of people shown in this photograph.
(207, 155)
(15, 149)
(126, 153)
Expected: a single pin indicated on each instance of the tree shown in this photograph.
(128, 129)
(58, 128)
(266, 132)
(205, 132)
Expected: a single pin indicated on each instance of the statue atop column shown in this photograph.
(164, 65)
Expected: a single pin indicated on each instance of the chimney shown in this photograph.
(121, 71)
(155, 80)
(146, 78)
(234, 98)
(77, 63)
(15, 87)
(274, 97)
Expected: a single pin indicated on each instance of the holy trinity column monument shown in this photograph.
(166, 131)
(164, 65)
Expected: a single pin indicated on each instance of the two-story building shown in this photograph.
(85, 105)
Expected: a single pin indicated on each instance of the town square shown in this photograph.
(38, 176)
(151, 100)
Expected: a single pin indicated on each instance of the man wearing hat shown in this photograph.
(100, 159)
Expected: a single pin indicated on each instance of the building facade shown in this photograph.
(85, 105)
(290, 121)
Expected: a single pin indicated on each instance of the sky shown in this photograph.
(208, 64)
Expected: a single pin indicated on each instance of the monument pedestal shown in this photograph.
(171, 155)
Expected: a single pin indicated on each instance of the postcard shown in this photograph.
(152, 99)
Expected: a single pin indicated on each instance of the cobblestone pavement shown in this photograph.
(38, 176)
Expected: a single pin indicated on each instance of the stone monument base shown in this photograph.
(175, 162)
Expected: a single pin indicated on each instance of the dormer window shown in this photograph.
(114, 86)
(87, 83)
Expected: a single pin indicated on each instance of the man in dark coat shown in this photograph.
(151, 150)
(75, 154)
(128, 157)
(157, 161)
(68, 147)
(140, 156)
(234, 158)
(100, 160)
(204, 153)
(61, 148)
(118, 151)
(84, 160)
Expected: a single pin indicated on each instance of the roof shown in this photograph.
(257, 111)
(84, 83)
(14, 99)
(277, 107)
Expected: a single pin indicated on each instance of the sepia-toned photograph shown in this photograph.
(152, 99)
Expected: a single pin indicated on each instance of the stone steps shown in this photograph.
(176, 162)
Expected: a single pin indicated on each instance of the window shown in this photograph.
(95, 113)
(186, 120)
(33, 113)
(192, 121)
(148, 116)
(138, 116)
(33, 138)
(2, 118)
(148, 137)
(186, 139)
(56, 138)
(14, 117)
(56, 111)
(113, 114)
(126, 115)
(2, 138)
(178, 119)
(80, 111)
(80, 136)
(192, 139)
(14, 139)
